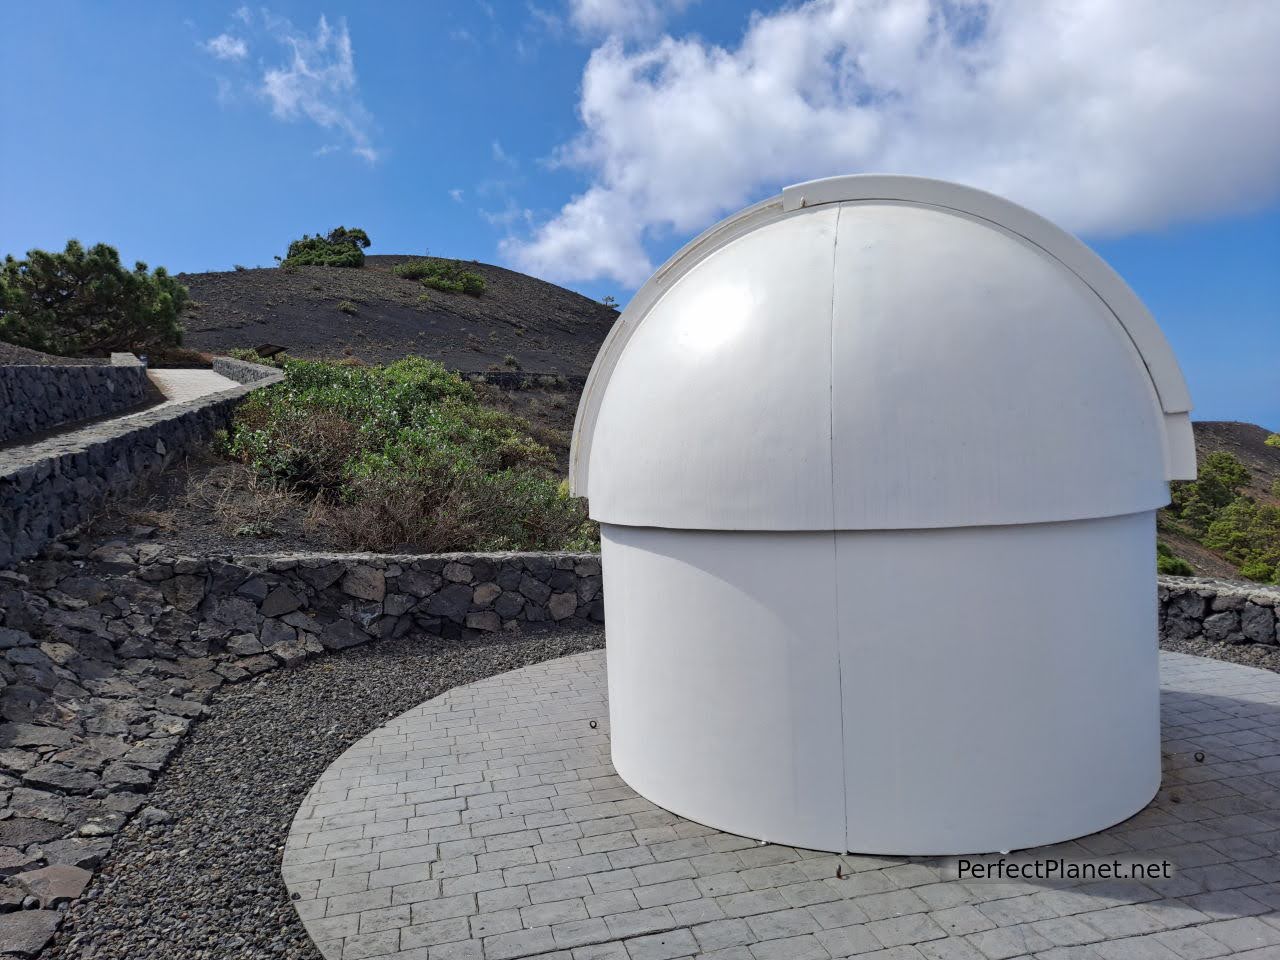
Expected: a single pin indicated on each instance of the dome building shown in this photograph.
(876, 464)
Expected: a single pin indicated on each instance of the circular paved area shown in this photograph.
(488, 823)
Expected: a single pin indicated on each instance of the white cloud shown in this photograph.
(1106, 117)
(456, 195)
(502, 156)
(545, 19)
(628, 18)
(319, 83)
(508, 216)
(226, 47)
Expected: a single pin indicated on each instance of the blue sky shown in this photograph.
(585, 140)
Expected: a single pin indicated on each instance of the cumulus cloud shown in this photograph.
(317, 81)
(226, 47)
(1108, 118)
(631, 18)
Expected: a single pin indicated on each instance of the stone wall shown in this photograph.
(34, 399)
(108, 653)
(1221, 611)
(286, 608)
(52, 486)
(243, 371)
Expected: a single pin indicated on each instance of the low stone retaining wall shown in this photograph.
(286, 608)
(1222, 611)
(107, 654)
(34, 399)
(50, 487)
(242, 371)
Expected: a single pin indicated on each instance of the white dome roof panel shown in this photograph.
(722, 400)
(976, 381)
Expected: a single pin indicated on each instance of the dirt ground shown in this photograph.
(545, 328)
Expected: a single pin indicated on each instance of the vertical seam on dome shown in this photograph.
(835, 534)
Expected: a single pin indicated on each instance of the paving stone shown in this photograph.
(1191, 943)
(54, 885)
(1243, 933)
(26, 932)
(662, 946)
(505, 833)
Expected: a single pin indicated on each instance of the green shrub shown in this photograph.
(1248, 534)
(84, 302)
(405, 454)
(252, 356)
(446, 275)
(1169, 564)
(1259, 570)
(1174, 567)
(1273, 440)
(340, 248)
(1197, 502)
(414, 269)
(346, 306)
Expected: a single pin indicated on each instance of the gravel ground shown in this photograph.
(207, 884)
(1265, 656)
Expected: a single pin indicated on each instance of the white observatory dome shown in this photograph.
(881, 352)
(858, 453)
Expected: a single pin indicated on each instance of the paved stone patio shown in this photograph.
(488, 823)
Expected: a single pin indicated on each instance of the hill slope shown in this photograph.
(1244, 441)
(546, 328)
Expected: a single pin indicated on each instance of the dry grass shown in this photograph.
(329, 438)
(242, 503)
(205, 502)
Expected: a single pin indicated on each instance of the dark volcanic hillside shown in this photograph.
(1246, 442)
(546, 328)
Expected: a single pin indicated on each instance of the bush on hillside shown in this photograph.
(405, 454)
(86, 303)
(1213, 509)
(1168, 563)
(1273, 440)
(1219, 481)
(340, 248)
(446, 275)
(1248, 534)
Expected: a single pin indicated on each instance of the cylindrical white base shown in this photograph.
(912, 692)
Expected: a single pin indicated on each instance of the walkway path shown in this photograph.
(179, 386)
(489, 824)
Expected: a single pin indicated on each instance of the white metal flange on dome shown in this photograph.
(861, 454)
